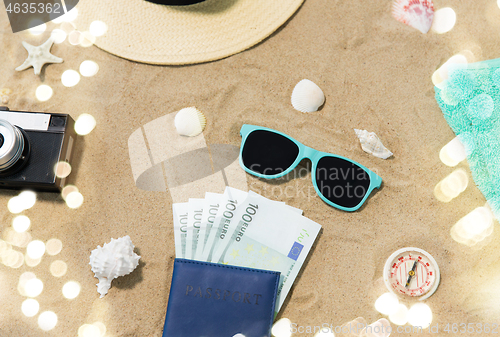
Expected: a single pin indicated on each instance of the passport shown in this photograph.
(217, 300)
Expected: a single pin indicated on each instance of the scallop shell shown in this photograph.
(190, 122)
(114, 259)
(415, 13)
(307, 96)
(372, 144)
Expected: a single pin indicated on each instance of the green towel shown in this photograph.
(470, 101)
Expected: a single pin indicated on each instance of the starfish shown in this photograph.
(38, 56)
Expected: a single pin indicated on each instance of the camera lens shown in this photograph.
(11, 145)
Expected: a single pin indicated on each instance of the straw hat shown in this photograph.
(146, 32)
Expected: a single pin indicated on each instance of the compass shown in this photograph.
(411, 272)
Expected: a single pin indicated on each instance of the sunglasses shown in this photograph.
(340, 182)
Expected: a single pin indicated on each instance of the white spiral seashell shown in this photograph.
(190, 122)
(114, 259)
(307, 96)
(372, 144)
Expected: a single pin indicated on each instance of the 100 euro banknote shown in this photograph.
(269, 236)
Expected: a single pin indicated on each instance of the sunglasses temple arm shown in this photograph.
(377, 180)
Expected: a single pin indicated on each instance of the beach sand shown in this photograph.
(376, 75)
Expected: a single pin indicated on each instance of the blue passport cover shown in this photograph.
(216, 300)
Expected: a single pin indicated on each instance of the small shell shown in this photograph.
(190, 122)
(5, 99)
(415, 13)
(307, 96)
(372, 144)
(114, 259)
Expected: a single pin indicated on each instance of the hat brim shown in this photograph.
(214, 29)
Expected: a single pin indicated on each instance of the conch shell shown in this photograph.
(372, 144)
(114, 259)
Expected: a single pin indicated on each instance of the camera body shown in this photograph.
(31, 144)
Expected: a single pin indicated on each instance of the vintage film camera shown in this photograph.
(31, 144)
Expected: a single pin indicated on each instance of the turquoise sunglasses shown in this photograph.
(340, 182)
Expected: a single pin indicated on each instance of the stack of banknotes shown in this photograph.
(245, 229)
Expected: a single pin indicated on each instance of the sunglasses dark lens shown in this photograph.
(268, 153)
(342, 182)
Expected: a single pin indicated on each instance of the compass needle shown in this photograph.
(411, 273)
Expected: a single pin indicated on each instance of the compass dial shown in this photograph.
(411, 272)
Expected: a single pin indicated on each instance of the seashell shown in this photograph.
(190, 122)
(114, 259)
(415, 13)
(307, 96)
(5, 99)
(372, 144)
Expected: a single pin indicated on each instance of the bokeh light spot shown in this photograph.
(30, 307)
(35, 249)
(400, 317)
(88, 68)
(58, 268)
(25, 277)
(13, 259)
(101, 326)
(62, 169)
(53, 246)
(84, 124)
(47, 320)
(74, 37)
(43, 92)
(71, 290)
(387, 304)
(19, 260)
(70, 78)
(420, 315)
(451, 186)
(90, 330)
(58, 35)
(21, 223)
(15, 205)
(33, 287)
(32, 262)
(74, 200)
(28, 199)
(15, 238)
(98, 28)
(282, 328)
(453, 153)
(474, 227)
(67, 190)
(86, 39)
